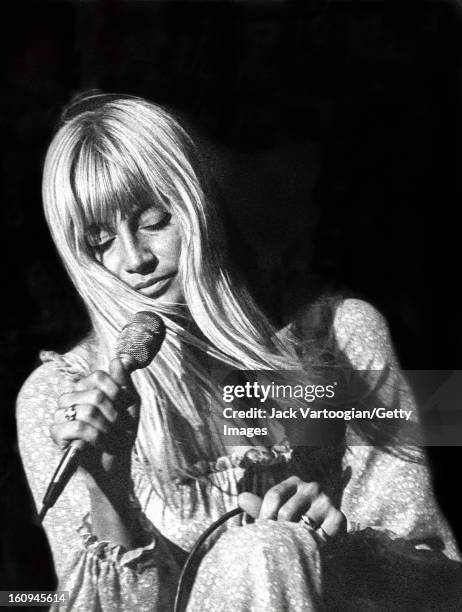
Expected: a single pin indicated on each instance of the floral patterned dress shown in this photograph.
(262, 566)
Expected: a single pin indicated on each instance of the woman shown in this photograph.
(127, 206)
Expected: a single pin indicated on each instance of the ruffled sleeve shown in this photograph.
(98, 575)
(101, 575)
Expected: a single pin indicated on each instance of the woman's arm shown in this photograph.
(35, 408)
(388, 488)
(105, 416)
(92, 561)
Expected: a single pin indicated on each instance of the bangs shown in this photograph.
(106, 190)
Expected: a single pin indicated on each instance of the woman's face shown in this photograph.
(143, 251)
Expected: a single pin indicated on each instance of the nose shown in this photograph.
(138, 258)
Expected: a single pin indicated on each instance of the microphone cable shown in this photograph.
(185, 572)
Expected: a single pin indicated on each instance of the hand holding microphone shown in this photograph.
(98, 421)
(100, 416)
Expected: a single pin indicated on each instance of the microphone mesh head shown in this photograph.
(140, 340)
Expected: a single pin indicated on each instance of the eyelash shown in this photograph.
(159, 225)
(104, 245)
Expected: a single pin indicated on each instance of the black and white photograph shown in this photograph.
(231, 374)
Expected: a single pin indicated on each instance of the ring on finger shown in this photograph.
(323, 535)
(70, 413)
(320, 534)
(308, 522)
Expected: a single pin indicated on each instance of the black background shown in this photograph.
(333, 130)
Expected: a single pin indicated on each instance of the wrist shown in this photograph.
(114, 488)
(114, 515)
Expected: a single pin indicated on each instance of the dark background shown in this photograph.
(333, 130)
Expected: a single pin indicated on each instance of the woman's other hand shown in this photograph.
(105, 411)
(293, 498)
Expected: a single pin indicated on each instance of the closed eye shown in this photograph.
(153, 227)
(102, 245)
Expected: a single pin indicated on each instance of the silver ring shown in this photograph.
(70, 413)
(323, 536)
(308, 522)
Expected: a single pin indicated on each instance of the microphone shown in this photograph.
(138, 344)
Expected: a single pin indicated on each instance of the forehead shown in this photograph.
(107, 193)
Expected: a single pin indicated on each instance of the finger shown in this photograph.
(334, 524)
(298, 503)
(250, 503)
(101, 380)
(63, 433)
(119, 374)
(277, 496)
(96, 397)
(88, 414)
(319, 509)
(128, 396)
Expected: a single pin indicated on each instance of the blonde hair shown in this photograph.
(116, 152)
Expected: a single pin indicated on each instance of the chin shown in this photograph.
(170, 297)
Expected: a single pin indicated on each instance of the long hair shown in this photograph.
(111, 155)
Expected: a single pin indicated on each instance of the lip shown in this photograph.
(158, 284)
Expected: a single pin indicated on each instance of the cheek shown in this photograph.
(169, 248)
(176, 248)
(112, 261)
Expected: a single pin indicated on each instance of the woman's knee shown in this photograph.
(260, 566)
(269, 538)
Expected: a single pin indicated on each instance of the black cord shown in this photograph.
(180, 591)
